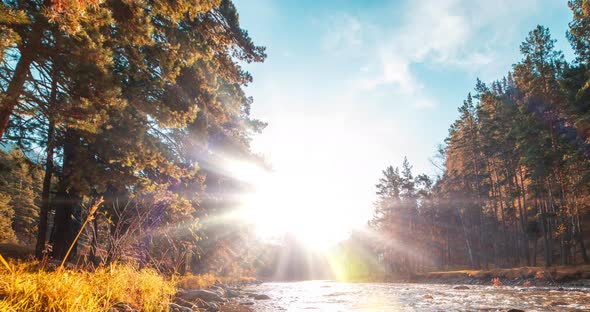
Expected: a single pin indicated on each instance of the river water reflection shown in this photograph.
(334, 296)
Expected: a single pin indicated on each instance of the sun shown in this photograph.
(279, 204)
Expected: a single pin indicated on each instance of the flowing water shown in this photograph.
(334, 296)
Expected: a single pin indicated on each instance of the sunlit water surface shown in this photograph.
(335, 296)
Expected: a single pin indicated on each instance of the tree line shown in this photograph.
(136, 102)
(515, 182)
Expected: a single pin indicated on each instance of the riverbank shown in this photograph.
(219, 297)
(34, 286)
(578, 276)
(29, 286)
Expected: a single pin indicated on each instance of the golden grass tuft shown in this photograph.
(197, 281)
(24, 287)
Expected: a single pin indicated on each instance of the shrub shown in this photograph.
(24, 287)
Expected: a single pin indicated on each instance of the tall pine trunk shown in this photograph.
(580, 238)
(467, 241)
(45, 204)
(68, 200)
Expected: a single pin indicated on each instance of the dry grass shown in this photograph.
(197, 281)
(207, 280)
(243, 279)
(25, 287)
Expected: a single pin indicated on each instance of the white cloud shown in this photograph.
(343, 31)
(394, 70)
(435, 32)
(431, 29)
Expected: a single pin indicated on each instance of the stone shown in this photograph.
(261, 297)
(182, 302)
(178, 308)
(237, 308)
(122, 307)
(212, 307)
(206, 295)
(514, 310)
(247, 303)
(230, 293)
(218, 290)
(200, 304)
(461, 287)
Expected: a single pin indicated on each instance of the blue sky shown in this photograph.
(350, 87)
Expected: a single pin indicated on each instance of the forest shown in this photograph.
(514, 180)
(133, 105)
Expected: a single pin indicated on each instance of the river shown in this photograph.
(335, 296)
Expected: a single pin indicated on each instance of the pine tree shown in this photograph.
(6, 216)
(120, 93)
(24, 189)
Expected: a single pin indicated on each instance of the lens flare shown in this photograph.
(277, 205)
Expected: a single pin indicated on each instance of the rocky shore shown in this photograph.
(525, 276)
(220, 297)
(238, 298)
